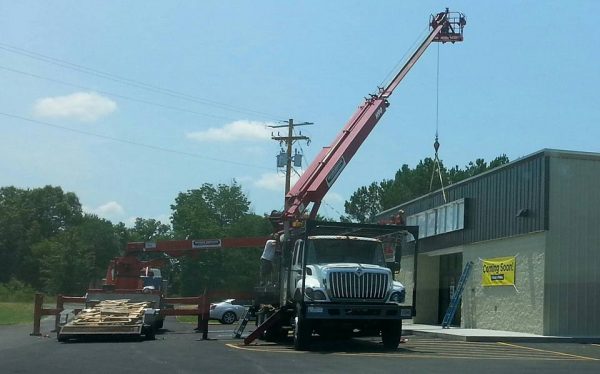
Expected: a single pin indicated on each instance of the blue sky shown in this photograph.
(129, 103)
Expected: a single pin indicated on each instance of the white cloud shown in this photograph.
(271, 182)
(82, 106)
(234, 131)
(334, 198)
(274, 181)
(111, 210)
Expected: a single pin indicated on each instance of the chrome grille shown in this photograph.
(350, 285)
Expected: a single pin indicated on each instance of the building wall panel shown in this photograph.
(572, 286)
(507, 308)
(493, 200)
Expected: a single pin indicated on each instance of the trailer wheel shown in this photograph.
(391, 333)
(62, 338)
(302, 331)
(150, 333)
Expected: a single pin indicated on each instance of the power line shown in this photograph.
(401, 61)
(132, 82)
(115, 94)
(129, 142)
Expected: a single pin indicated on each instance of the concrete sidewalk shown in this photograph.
(483, 335)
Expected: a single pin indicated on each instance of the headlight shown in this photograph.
(309, 293)
(319, 295)
(314, 295)
(398, 297)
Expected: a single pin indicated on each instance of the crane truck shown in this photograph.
(333, 278)
(132, 299)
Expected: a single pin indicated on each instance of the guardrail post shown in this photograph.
(59, 308)
(203, 316)
(37, 314)
(199, 306)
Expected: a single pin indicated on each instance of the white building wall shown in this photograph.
(507, 308)
(427, 286)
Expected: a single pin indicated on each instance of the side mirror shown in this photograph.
(394, 266)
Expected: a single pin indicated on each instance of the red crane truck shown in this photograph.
(333, 277)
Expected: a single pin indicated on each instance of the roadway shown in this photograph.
(178, 349)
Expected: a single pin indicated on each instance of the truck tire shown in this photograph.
(276, 334)
(391, 333)
(302, 331)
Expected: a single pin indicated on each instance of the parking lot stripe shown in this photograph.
(444, 350)
(543, 350)
(263, 348)
(462, 356)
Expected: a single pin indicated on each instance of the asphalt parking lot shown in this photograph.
(178, 349)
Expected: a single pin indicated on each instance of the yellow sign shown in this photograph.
(499, 271)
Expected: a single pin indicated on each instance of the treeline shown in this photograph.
(49, 244)
(408, 184)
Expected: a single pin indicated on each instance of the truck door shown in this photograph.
(296, 269)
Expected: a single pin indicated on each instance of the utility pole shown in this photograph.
(286, 159)
(289, 141)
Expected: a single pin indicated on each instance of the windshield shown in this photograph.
(327, 251)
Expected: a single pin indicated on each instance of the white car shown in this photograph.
(228, 311)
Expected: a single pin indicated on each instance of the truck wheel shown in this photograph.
(302, 331)
(228, 318)
(159, 324)
(276, 334)
(391, 333)
(150, 333)
(62, 338)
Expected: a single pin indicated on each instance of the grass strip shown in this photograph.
(12, 313)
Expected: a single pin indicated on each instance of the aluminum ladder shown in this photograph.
(457, 295)
(242, 324)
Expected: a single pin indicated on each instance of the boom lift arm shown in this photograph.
(124, 272)
(330, 162)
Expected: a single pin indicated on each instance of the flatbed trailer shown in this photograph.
(114, 315)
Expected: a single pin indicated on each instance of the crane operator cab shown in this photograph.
(151, 279)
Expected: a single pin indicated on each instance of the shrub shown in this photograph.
(16, 291)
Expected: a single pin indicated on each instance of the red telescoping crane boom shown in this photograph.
(124, 272)
(330, 162)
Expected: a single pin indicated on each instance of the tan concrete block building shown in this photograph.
(543, 210)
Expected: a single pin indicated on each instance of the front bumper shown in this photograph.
(389, 311)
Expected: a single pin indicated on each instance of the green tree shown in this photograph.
(65, 264)
(76, 257)
(150, 229)
(216, 212)
(409, 184)
(366, 202)
(28, 217)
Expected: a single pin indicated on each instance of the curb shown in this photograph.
(504, 339)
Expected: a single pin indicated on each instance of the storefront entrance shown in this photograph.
(450, 271)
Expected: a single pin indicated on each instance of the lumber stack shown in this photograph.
(112, 312)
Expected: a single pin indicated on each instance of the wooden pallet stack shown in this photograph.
(112, 312)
